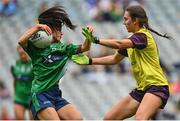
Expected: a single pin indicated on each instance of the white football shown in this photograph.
(41, 39)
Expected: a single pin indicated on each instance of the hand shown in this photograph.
(87, 32)
(81, 59)
(45, 28)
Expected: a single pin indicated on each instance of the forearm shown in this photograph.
(116, 43)
(107, 60)
(112, 43)
(23, 40)
(85, 46)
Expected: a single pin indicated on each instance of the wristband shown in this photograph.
(96, 40)
(90, 61)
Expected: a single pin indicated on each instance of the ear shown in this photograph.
(136, 21)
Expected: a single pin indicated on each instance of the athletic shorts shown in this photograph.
(160, 91)
(51, 98)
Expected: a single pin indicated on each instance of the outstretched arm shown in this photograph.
(108, 60)
(112, 43)
(23, 40)
(116, 43)
(85, 46)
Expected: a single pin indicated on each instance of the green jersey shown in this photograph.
(23, 75)
(49, 64)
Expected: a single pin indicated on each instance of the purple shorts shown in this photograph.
(160, 91)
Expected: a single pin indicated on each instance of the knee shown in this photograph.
(140, 116)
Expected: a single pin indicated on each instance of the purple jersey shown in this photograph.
(139, 41)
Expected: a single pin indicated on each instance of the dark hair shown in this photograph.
(55, 18)
(138, 12)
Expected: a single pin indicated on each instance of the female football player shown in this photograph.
(23, 76)
(152, 90)
(49, 66)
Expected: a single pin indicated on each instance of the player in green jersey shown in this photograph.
(23, 76)
(152, 90)
(49, 66)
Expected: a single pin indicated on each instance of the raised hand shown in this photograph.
(87, 32)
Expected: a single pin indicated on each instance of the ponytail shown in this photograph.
(162, 35)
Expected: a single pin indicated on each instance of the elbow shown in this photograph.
(114, 62)
(87, 49)
(20, 42)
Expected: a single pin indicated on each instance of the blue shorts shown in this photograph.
(51, 98)
(160, 91)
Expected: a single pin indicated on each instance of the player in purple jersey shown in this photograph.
(151, 92)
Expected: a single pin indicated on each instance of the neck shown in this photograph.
(136, 29)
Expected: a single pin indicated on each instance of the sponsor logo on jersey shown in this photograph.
(53, 58)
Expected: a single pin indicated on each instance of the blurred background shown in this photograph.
(93, 89)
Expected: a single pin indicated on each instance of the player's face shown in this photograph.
(128, 22)
(57, 35)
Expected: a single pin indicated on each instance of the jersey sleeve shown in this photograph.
(123, 52)
(139, 40)
(72, 49)
(31, 49)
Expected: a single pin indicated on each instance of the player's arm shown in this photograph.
(23, 40)
(108, 60)
(85, 46)
(116, 43)
(112, 43)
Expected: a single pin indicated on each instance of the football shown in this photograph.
(41, 39)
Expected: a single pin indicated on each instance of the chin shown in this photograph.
(130, 31)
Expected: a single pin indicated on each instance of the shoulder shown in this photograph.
(14, 62)
(139, 40)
